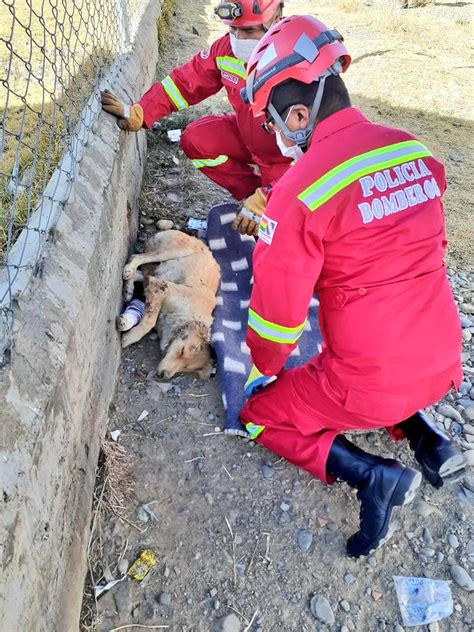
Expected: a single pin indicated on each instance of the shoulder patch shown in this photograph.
(267, 229)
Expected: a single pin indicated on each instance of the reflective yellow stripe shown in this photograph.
(254, 430)
(199, 163)
(233, 65)
(351, 170)
(272, 331)
(173, 93)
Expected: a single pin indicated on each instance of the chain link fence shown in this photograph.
(53, 56)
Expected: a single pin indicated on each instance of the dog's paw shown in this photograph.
(128, 272)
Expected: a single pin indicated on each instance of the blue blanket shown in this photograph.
(234, 252)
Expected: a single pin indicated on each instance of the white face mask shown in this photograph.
(242, 48)
(294, 151)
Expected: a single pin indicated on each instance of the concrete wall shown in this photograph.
(55, 393)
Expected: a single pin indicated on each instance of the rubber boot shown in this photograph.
(441, 459)
(382, 484)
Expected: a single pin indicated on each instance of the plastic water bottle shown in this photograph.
(131, 315)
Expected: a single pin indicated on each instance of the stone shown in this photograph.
(468, 414)
(467, 308)
(345, 605)
(349, 578)
(305, 539)
(164, 224)
(427, 552)
(164, 599)
(321, 609)
(398, 628)
(466, 322)
(462, 577)
(267, 471)
(172, 197)
(448, 411)
(123, 566)
(469, 456)
(453, 541)
(229, 623)
(427, 537)
(284, 506)
(464, 388)
(466, 335)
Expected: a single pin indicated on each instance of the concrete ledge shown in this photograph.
(55, 393)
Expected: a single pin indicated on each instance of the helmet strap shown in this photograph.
(301, 136)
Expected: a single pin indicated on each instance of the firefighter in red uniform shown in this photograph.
(358, 220)
(224, 147)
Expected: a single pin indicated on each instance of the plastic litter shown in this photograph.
(100, 590)
(142, 565)
(423, 600)
(198, 226)
(132, 314)
(174, 135)
(115, 434)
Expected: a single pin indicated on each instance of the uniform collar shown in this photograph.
(336, 122)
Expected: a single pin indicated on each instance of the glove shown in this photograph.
(130, 117)
(257, 381)
(248, 218)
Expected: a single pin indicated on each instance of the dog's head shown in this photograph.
(188, 351)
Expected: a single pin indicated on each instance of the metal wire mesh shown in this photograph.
(53, 54)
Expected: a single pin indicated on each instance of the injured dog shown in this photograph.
(180, 291)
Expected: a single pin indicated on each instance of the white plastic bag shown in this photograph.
(423, 600)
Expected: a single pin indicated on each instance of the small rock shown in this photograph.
(468, 429)
(398, 628)
(164, 599)
(349, 578)
(345, 605)
(410, 535)
(453, 541)
(267, 471)
(172, 197)
(427, 552)
(164, 224)
(468, 414)
(466, 322)
(123, 566)
(321, 609)
(467, 308)
(469, 456)
(305, 539)
(464, 388)
(433, 627)
(376, 595)
(427, 537)
(448, 411)
(462, 577)
(466, 335)
(213, 592)
(229, 623)
(284, 506)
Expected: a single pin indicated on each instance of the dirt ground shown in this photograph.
(244, 540)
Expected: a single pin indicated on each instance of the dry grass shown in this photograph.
(114, 487)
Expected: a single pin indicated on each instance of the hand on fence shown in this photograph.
(247, 221)
(130, 117)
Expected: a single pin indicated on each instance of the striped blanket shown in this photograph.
(234, 252)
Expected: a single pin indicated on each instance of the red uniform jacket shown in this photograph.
(359, 220)
(204, 75)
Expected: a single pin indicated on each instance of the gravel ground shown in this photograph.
(244, 541)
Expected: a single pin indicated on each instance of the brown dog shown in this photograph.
(180, 297)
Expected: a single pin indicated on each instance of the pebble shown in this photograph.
(345, 605)
(453, 541)
(465, 322)
(464, 388)
(349, 578)
(229, 623)
(267, 471)
(468, 414)
(123, 566)
(284, 506)
(172, 197)
(305, 539)
(398, 628)
(448, 411)
(427, 537)
(467, 308)
(164, 224)
(462, 577)
(427, 552)
(321, 609)
(466, 335)
(164, 599)
(468, 429)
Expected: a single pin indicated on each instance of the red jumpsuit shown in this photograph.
(223, 147)
(358, 220)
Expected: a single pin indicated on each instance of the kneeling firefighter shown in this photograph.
(359, 220)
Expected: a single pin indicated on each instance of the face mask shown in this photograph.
(294, 151)
(242, 48)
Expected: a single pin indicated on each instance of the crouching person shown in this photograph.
(359, 220)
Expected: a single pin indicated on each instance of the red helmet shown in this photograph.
(298, 47)
(247, 12)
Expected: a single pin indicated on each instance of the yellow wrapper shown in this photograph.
(140, 567)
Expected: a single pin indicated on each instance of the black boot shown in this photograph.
(382, 484)
(441, 459)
